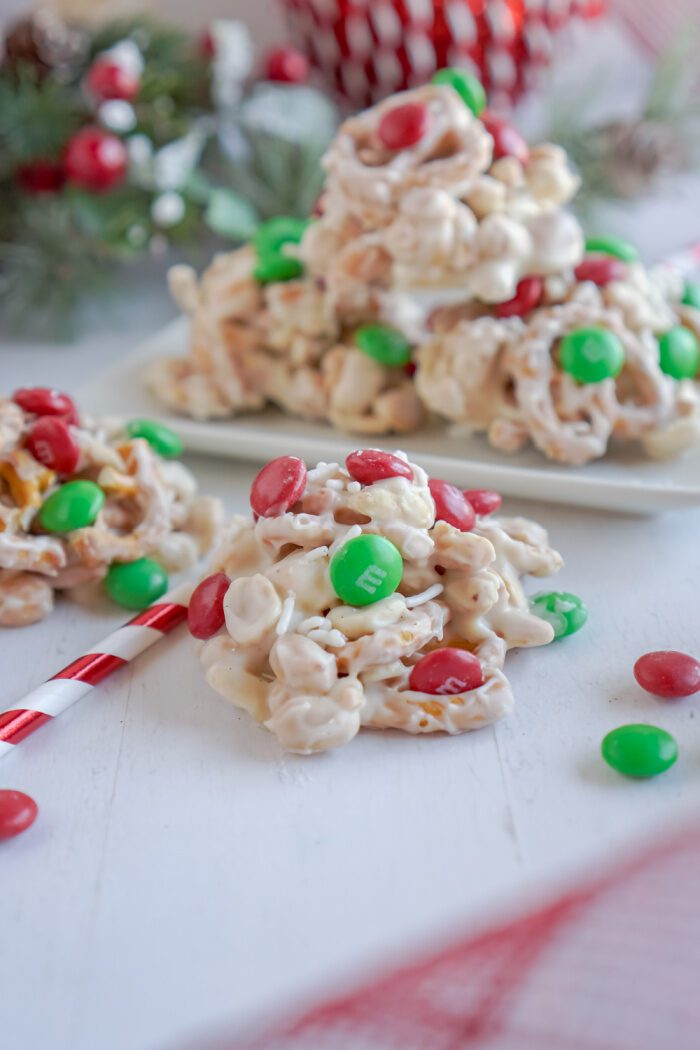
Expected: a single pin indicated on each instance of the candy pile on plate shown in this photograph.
(80, 503)
(444, 276)
(367, 594)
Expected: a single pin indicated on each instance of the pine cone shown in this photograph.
(46, 43)
(638, 153)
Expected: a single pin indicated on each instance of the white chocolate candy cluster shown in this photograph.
(313, 669)
(440, 240)
(441, 213)
(150, 509)
(502, 376)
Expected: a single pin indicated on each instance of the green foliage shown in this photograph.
(37, 116)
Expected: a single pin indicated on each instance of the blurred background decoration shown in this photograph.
(131, 137)
(126, 136)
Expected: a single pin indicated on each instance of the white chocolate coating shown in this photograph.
(428, 239)
(151, 509)
(313, 670)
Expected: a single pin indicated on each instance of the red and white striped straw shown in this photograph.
(21, 719)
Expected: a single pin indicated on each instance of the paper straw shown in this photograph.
(23, 718)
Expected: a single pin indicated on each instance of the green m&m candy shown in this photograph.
(691, 295)
(591, 354)
(162, 439)
(679, 353)
(386, 345)
(283, 229)
(612, 246)
(135, 584)
(467, 87)
(566, 612)
(639, 750)
(366, 569)
(273, 266)
(72, 506)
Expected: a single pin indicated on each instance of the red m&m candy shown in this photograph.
(371, 464)
(668, 674)
(50, 442)
(484, 501)
(403, 126)
(44, 401)
(17, 813)
(451, 505)
(278, 486)
(205, 613)
(445, 672)
(507, 142)
(528, 294)
(600, 269)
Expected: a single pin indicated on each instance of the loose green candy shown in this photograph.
(614, 246)
(679, 353)
(283, 229)
(591, 354)
(366, 569)
(467, 87)
(384, 344)
(72, 506)
(164, 440)
(691, 295)
(639, 750)
(135, 584)
(566, 612)
(273, 266)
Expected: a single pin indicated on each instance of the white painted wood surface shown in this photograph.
(183, 874)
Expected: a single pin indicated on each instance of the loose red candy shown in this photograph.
(371, 464)
(527, 296)
(44, 401)
(507, 142)
(601, 269)
(205, 613)
(484, 501)
(403, 126)
(451, 505)
(445, 672)
(278, 486)
(17, 813)
(668, 673)
(50, 442)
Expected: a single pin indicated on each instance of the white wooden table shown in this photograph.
(184, 873)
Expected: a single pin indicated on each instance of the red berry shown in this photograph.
(370, 464)
(601, 269)
(278, 486)
(107, 79)
(45, 401)
(445, 672)
(451, 505)
(50, 442)
(403, 126)
(287, 65)
(668, 674)
(17, 813)
(205, 613)
(206, 45)
(528, 294)
(484, 501)
(507, 142)
(41, 176)
(95, 159)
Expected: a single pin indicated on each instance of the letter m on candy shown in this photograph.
(370, 579)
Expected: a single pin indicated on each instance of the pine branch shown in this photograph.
(37, 116)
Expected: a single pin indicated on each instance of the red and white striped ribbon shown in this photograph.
(22, 718)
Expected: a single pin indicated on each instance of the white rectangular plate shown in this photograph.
(624, 480)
